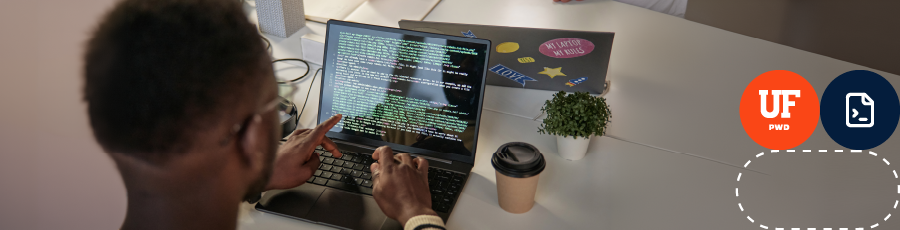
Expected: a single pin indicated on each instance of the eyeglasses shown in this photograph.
(285, 92)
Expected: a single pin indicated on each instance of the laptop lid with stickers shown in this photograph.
(545, 59)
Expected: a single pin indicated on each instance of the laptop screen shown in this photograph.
(403, 88)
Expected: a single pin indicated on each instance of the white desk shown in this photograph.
(604, 190)
(676, 85)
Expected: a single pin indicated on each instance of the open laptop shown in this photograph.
(419, 93)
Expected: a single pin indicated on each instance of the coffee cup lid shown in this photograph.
(518, 159)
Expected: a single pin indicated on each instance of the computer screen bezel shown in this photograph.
(398, 147)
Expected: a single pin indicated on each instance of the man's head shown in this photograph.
(182, 82)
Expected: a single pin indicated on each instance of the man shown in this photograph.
(182, 96)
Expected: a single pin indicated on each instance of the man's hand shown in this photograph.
(295, 161)
(401, 185)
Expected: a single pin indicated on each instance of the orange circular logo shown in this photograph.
(779, 109)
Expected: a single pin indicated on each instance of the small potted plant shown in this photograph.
(573, 118)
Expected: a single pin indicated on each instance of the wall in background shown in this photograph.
(53, 174)
(860, 32)
(762, 19)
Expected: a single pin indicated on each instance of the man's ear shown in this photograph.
(252, 143)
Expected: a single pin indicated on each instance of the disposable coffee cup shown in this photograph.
(518, 166)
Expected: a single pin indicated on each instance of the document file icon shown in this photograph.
(860, 110)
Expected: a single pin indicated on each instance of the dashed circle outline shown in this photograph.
(737, 189)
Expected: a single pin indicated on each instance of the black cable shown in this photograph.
(268, 43)
(306, 100)
(307, 93)
(301, 76)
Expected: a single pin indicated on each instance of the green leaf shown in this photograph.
(576, 114)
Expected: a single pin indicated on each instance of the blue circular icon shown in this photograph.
(859, 109)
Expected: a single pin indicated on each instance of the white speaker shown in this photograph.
(281, 18)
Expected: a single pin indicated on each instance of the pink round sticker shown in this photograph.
(567, 47)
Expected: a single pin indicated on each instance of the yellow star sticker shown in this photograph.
(552, 72)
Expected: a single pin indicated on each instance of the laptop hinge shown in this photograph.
(411, 154)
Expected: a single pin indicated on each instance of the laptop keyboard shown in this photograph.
(351, 173)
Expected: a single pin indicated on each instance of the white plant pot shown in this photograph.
(572, 149)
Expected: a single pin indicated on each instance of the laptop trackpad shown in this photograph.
(294, 202)
(350, 210)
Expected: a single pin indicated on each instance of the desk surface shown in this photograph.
(676, 85)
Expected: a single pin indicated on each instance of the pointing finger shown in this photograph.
(323, 128)
(331, 147)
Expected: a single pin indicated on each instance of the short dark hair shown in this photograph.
(158, 71)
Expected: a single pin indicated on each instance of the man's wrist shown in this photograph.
(425, 222)
(403, 218)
